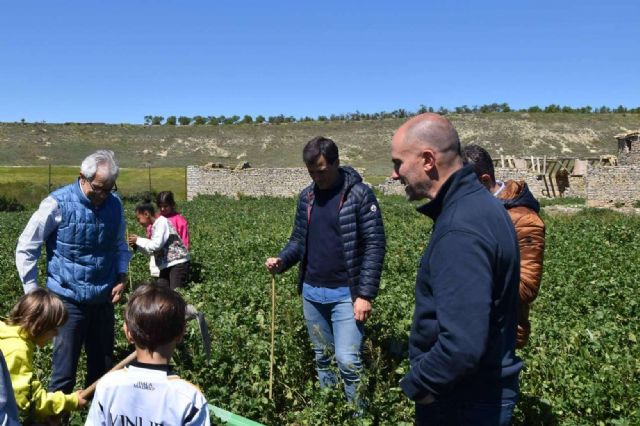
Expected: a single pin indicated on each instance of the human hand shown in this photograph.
(133, 238)
(81, 401)
(116, 292)
(274, 265)
(362, 309)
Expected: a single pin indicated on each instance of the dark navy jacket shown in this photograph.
(362, 235)
(462, 342)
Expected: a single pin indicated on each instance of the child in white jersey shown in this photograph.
(165, 245)
(147, 392)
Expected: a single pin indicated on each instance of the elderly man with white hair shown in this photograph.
(82, 226)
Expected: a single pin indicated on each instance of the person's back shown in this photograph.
(147, 392)
(523, 209)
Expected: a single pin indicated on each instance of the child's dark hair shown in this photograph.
(166, 197)
(155, 316)
(37, 312)
(145, 206)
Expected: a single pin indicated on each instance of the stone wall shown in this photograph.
(280, 182)
(276, 182)
(540, 186)
(629, 149)
(608, 186)
(613, 186)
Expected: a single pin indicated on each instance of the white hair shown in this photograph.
(101, 157)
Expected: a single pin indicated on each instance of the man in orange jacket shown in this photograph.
(523, 209)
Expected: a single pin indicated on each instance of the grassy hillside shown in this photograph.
(363, 144)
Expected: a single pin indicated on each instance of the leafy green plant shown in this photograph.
(582, 363)
(8, 204)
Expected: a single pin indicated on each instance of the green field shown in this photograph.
(29, 185)
(582, 363)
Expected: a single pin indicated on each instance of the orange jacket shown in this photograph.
(523, 209)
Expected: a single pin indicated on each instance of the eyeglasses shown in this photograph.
(97, 190)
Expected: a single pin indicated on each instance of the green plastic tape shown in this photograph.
(230, 418)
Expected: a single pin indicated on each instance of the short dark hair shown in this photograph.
(155, 316)
(165, 197)
(145, 206)
(38, 312)
(320, 146)
(480, 159)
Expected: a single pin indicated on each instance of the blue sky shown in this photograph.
(116, 61)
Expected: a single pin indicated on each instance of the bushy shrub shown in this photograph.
(8, 204)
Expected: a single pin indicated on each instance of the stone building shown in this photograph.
(617, 185)
(629, 148)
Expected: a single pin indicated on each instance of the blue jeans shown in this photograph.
(333, 330)
(90, 326)
(466, 413)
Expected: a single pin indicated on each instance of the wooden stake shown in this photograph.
(273, 327)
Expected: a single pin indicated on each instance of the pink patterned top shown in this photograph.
(180, 224)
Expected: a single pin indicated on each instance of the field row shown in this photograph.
(582, 365)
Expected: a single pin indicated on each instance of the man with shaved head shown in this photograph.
(464, 370)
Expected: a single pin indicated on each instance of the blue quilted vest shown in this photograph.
(82, 252)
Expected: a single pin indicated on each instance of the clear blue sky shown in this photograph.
(117, 61)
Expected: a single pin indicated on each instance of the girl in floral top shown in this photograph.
(165, 245)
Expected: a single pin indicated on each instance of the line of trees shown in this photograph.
(214, 120)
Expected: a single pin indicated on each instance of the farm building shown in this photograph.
(629, 148)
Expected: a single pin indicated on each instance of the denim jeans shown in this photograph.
(90, 326)
(466, 413)
(334, 331)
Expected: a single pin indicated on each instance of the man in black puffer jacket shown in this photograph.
(338, 238)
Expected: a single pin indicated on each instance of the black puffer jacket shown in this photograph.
(362, 235)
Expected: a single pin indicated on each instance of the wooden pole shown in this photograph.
(273, 328)
(88, 391)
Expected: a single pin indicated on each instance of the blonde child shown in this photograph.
(165, 245)
(34, 320)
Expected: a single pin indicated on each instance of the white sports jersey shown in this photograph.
(145, 395)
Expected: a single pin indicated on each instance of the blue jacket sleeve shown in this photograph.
(461, 274)
(372, 240)
(293, 252)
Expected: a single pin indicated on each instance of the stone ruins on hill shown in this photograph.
(604, 181)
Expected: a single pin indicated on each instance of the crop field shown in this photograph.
(28, 185)
(582, 365)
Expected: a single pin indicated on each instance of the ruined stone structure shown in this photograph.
(617, 186)
(281, 182)
(605, 181)
(629, 148)
(546, 177)
(276, 182)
